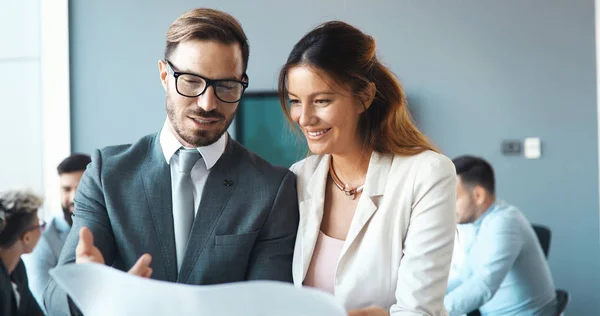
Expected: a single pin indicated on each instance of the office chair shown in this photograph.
(544, 236)
(562, 299)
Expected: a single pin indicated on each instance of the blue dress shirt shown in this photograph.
(499, 267)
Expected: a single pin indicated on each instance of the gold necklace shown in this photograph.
(350, 193)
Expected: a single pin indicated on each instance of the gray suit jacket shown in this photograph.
(245, 228)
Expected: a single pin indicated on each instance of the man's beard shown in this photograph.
(472, 213)
(198, 138)
(67, 214)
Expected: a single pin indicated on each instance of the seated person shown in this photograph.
(45, 255)
(499, 266)
(20, 231)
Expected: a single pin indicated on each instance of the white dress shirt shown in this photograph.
(210, 155)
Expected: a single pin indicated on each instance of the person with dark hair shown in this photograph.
(377, 201)
(188, 204)
(498, 267)
(70, 171)
(45, 255)
(20, 230)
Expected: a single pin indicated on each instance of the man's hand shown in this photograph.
(142, 266)
(86, 252)
(369, 311)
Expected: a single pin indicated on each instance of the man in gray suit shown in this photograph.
(188, 204)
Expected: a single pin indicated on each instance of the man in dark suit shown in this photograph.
(188, 204)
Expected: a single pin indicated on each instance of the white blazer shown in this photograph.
(398, 250)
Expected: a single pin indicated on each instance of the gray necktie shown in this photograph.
(183, 201)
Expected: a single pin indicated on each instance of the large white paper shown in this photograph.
(101, 290)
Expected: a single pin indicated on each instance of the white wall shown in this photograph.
(21, 158)
(55, 92)
(34, 89)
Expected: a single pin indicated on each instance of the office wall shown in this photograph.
(476, 71)
(491, 71)
(21, 148)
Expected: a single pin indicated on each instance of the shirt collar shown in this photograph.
(61, 224)
(210, 154)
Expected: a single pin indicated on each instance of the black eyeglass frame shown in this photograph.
(209, 82)
(41, 225)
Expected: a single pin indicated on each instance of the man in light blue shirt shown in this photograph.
(45, 255)
(498, 265)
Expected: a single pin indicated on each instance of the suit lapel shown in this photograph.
(375, 182)
(220, 184)
(156, 177)
(311, 214)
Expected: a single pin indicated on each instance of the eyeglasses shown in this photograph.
(41, 226)
(192, 85)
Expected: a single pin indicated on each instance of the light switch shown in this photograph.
(532, 148)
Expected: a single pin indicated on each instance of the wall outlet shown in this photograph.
(511, 147)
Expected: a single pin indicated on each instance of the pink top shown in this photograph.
(321, 272)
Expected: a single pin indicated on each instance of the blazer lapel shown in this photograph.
(156, 177)
(376, 179)
(311, 214)
(220, 184)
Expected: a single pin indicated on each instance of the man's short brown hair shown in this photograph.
(207, 24)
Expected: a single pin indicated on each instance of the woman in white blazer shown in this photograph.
(377, 202)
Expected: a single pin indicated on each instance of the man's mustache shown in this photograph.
(206, 114)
